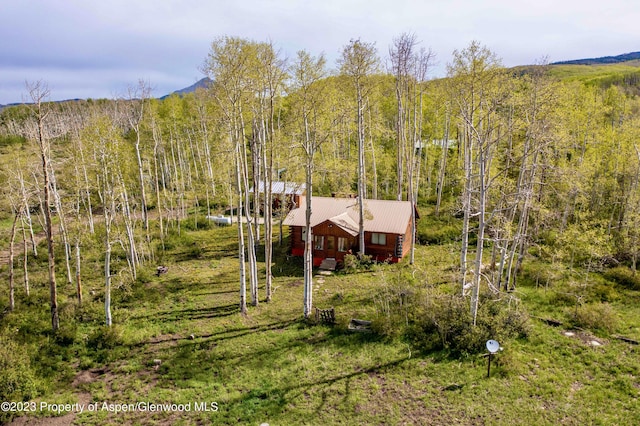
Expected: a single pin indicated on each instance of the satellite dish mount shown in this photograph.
(493, 347)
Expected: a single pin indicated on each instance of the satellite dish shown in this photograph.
(493, 346)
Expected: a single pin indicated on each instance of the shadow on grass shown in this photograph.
(191, 314)
(200, 347)
(269, 401)
(181, 284)
(210, 293)
(208, 339)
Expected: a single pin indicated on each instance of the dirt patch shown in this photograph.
(586, 337)
(84, 377)
(80, 381)
(67, 420)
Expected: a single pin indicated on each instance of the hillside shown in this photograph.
(625, 75)
(626, 57)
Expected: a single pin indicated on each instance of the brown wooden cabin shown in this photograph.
(334, 227)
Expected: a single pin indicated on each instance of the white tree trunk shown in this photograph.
(241, 246)
(475, 295)
(308, 248)
(12, 302)
(25, 257)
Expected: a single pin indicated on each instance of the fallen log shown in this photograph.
(626, 339)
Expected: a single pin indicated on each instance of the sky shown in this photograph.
(101, 48)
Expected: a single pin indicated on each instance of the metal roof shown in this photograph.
(391, 217)
(279, 187)
(345, 222)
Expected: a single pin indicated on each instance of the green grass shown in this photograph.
(271, 366)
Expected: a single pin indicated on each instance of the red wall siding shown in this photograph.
(406, 245)
(379, 252)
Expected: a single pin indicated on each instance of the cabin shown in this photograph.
(287, 193)
(334, 228)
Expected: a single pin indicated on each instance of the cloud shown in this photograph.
(91, 48)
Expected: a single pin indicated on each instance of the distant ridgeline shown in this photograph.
(202, 83)
(622, 71)
(604, 60)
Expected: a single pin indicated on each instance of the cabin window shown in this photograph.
(379, 239)
(331, 241)
(342, 244)
(319, 239)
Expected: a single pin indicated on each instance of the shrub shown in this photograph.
(197, 224)
(624, 277)
(17, 377)
(7, 140)
(107, 344)
(105, 338)
(182, 246)
(603, 292)
(172, 241)
(354, 263)
(393, 304)
(595, 316)
(66, 334)
(445, 322)
(144, 275)
(437, 231)
(541, 274)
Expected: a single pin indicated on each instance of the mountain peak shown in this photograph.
(202, 83)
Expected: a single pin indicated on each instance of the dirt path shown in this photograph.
(84, 398)
(17, 247)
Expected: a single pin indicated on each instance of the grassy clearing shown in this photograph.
(179, 339)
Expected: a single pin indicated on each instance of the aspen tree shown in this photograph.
(38, 93)
(137, 100)
(359, 61)
(229, 65)
(271, 73)
(107, 146)
(307, 97)
(478, 89)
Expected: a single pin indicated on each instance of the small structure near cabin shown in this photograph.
(220, 220)
(283, 194)
(335, 229)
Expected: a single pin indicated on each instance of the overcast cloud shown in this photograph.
(97, 49)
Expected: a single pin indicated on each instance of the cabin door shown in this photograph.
(331, 247)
